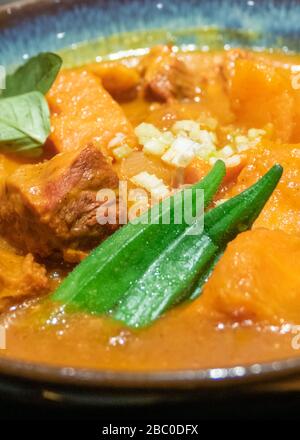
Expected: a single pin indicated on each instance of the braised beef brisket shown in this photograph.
(50, 208)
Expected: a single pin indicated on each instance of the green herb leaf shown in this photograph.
(37, 74)
(24, 122)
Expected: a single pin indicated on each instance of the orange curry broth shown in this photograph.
(244, 313)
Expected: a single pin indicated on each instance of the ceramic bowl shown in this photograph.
(29, 27)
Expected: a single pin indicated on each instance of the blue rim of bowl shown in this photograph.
(175, 379)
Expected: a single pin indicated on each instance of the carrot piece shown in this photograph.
(196, 170)
(232, 172)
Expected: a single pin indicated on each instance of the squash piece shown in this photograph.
(296, 93)
(20, 277)
(262, 94)
(282, 211)
(263, 284)
(83, 112)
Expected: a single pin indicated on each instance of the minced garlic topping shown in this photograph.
(188, 139)
(151, 183)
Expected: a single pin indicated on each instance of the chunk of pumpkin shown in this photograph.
(83, 112)
(262, 94)
(296, 93)
(20, 277)
(263, 282)
(282, 211)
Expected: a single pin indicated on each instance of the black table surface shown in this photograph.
(259, 407)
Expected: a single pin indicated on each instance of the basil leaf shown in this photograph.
(37, 74)
(24, 122)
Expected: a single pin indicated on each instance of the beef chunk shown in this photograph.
(20, 277)
(83, 112)
(166, 76)
(51, 207)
